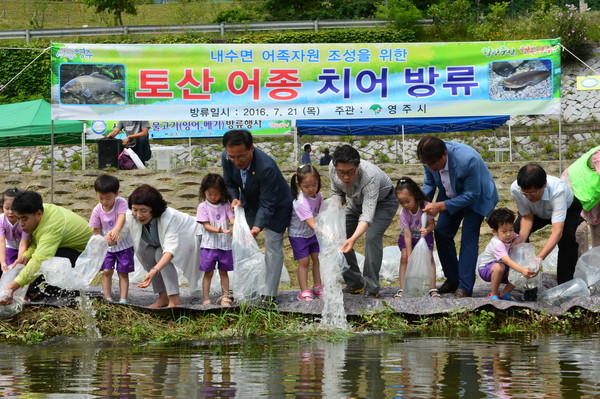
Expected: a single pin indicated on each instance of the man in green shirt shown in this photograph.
(53, 231)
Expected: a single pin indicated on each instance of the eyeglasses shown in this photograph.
(238, 157)
(531, 193)
(342, 173)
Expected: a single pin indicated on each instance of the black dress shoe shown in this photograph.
(461, 293)
(370, 295)
(268, 301)
(447, 288)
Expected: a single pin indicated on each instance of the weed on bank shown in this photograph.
(128, 324)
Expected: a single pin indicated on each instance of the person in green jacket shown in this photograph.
(583, 176)
(53, 231)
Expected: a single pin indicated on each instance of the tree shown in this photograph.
(116, 7)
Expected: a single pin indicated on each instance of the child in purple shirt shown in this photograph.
(13, 240)
(305, 185)
(108, 218)
(215, 215)
(412, 201)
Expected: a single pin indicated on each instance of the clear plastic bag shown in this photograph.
(58, 271)
(331, 234)
(588, 267)
(389, 264)
(524, 254)
(18, 296)
(248, 277)
(419, 269)
(565, 292)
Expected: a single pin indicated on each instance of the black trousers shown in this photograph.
(567, 245)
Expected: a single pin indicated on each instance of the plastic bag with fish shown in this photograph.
(524, 254)
(18, 296)
(248, 277)
(58, 271)
(419, 271)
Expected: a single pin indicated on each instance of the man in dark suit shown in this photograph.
(254, 181)
(467, 194)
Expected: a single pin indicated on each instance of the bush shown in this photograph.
(451, 19)
(572, 28)
(402, 14)
(332, 36)
(235, 15)
(494, 25)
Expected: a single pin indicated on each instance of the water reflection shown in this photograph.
(368, 366)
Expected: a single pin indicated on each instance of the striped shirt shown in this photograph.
(370, 186)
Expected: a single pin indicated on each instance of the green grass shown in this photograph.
(35, 14)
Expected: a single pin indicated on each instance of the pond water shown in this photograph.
(365, 366)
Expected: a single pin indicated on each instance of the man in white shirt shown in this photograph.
(546, 200)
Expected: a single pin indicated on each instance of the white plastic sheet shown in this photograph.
(250, 268)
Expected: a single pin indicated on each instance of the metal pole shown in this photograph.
(403, 147)
(295, 145)
(52, 161)
(510, 123)
(83, 147)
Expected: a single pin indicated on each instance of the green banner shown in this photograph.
(236, 82)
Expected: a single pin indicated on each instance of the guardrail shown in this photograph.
(29, 34)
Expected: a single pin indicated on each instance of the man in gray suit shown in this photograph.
(255, 182)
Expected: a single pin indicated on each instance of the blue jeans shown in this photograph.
(459, 271)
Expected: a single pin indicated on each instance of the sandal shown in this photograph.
(306, 296)
(399, 293)
(225, 301)
(433, 293)
(318, 291)
(206, 302)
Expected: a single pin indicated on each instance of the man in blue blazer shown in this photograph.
(254, 181)
(467, 194)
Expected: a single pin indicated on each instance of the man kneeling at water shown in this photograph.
(53, 231)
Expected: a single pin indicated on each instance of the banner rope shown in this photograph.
(579, 59)
(2, 87)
